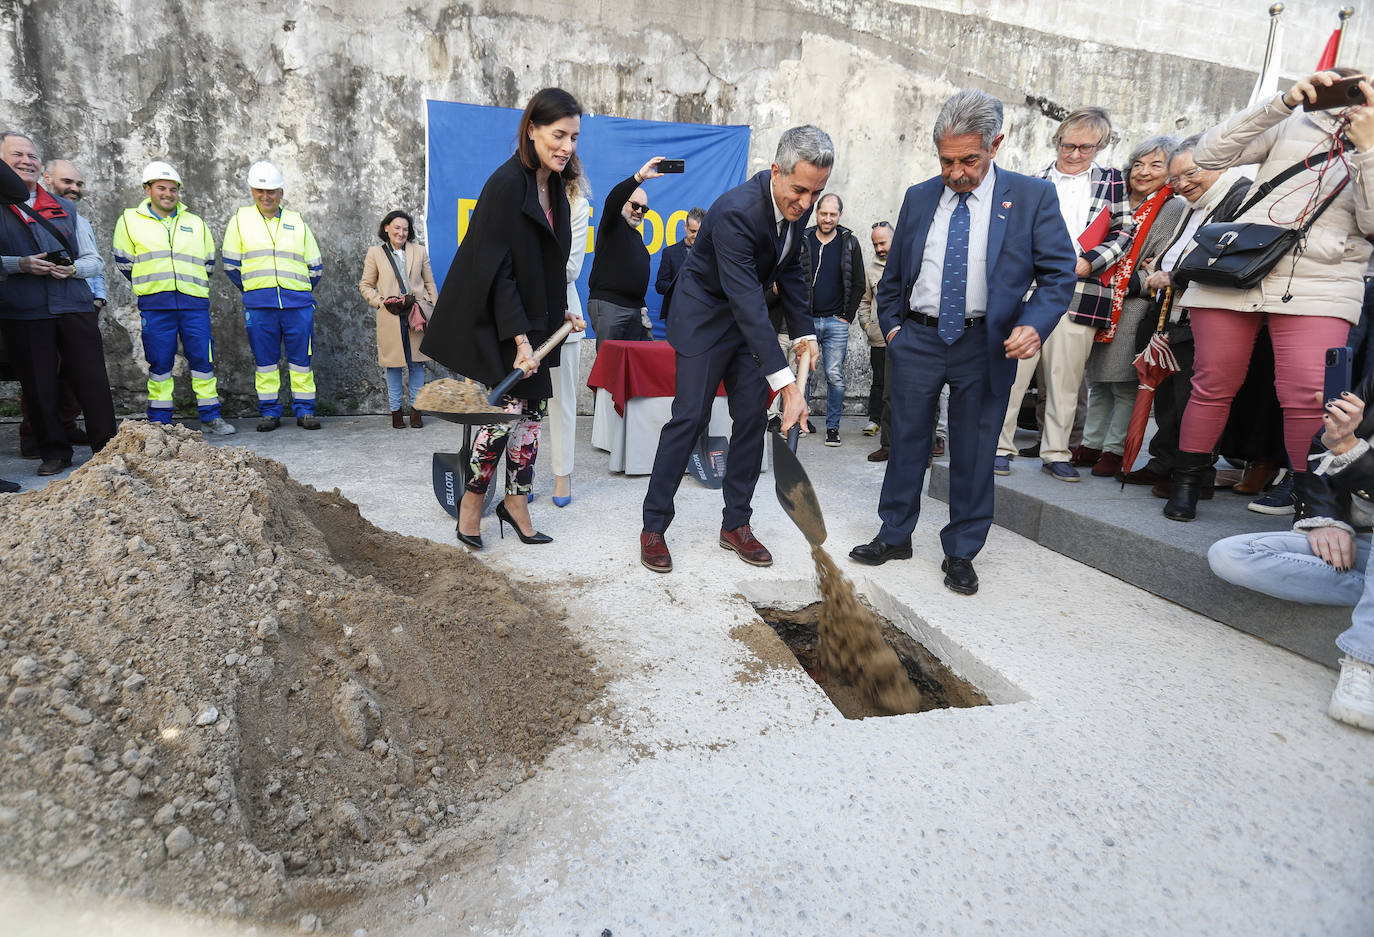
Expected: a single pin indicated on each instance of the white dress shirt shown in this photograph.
(780, 379)
(1075, 198)
(925, 293)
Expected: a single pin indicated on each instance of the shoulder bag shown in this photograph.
(1238, 255)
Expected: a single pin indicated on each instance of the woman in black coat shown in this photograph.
(503, 294)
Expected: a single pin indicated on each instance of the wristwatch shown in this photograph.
(100, 303)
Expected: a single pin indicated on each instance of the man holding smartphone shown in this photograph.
(620, 262)
(47, 313)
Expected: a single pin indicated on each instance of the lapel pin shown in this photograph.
(1006, 204)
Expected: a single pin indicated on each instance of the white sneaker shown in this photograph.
(219, 427)
(871, 428)
(1353, 700)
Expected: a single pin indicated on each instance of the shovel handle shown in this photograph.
(511, 379)
(803, 366)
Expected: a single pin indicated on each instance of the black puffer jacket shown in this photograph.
(1327, 496)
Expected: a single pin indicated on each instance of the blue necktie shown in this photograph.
(954, 288)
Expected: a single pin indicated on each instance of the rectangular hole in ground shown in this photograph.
(939, 686)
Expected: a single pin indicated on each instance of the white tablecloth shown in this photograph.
(632, 440)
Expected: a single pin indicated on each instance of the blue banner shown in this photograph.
(466, 142)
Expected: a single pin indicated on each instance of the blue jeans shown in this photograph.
(393, 376)
(1283, 565)
(832, 334)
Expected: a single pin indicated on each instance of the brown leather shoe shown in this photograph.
(653, 552)
(743, 542)
(398, 420)
(1107, 465)
(1258, 475)
(1084, 457)
(878, 455)
(416, 422)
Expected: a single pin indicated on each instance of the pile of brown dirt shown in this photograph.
(448, 395)
(227, 691)
(851, 647)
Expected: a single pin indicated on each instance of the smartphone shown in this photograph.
(672, 165)
(1337, 373)
(58, 257)
(1344, 92)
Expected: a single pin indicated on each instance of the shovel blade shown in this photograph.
(795, 493)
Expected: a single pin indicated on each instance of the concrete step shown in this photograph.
(1123, 533)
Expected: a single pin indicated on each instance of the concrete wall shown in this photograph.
(333, 94)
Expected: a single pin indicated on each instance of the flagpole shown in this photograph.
(1275, 12)
(1345, 14)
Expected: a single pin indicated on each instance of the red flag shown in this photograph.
(1328, 59)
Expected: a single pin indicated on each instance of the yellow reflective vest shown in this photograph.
(160, 255)
(267, 253)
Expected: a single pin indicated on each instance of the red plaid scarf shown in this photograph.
(1121, 274)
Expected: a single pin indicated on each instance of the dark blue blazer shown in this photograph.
(669, 263)
(734, 260)
(1027, 243)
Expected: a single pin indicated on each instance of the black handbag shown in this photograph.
(1239, 255)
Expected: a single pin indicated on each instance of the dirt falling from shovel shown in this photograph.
(850, 644)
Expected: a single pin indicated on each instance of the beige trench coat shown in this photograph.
(379, 282)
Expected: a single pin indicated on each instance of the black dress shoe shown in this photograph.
(1030, 452)
(8, 487)
(876, 553)
(959, 575)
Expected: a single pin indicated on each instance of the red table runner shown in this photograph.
(635, 369)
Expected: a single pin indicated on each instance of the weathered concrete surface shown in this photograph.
(1146, 770)
(334, 92)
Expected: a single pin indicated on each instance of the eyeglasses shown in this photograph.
(1087, 149)
(1189, 176)
(638, 208)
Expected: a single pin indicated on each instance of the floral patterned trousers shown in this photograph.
(520, 441)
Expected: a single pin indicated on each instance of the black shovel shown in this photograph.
(795, 493)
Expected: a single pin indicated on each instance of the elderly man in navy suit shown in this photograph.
(968, 245)
(749, 241)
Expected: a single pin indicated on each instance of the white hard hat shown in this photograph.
(159, 170)
(263, 175)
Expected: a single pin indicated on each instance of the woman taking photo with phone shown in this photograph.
(503, 294)
(1316, 172)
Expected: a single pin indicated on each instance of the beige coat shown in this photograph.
(379, 283)
(867, 315)
(1328, 278)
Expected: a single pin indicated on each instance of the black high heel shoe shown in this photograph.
(471, 540)
(503, 516)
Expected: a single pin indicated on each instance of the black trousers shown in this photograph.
(877, 357)
(47, 352)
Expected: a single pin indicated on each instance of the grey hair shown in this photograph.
(6, 134)
(804, 144)
(1163, 143)
(1094, 117)
(696, 214)
(1186, 145)
(839, 202)
(969, 111)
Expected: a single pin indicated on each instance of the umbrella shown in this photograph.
(1153, 365)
